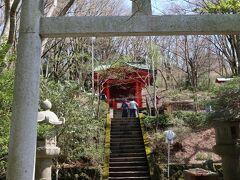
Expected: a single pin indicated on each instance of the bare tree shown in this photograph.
(229, 45)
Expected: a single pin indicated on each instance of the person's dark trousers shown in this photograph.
(125, 113)
(132, 112)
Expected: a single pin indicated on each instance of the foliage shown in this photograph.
(44, 130)
(226, 103)
(223, 6)
(5, 58)
(6, 86)
(194, 120)
(155, 122)
(206, 84)
(3, 51)
(82, 135)
(88, 173)
(200, 156)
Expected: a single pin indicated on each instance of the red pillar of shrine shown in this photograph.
(138, 93)
(108, 92)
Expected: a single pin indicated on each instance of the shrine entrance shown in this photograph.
(124, 82)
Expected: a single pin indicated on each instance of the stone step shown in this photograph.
(124, 123)
(127, 147)
(124, 118)
(127, 150)
(123, 143)
(127, 168)
(125, 128)
(125, 136)
(128, 159)
(126, 133)
(130, 178)
(133, 154)
(131, 139)
(128, 174)
(113, 128)
(133, 163)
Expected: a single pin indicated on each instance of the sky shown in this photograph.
(159, 5)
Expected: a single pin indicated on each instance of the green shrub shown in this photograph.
(44, 130)
(226, 103)
(205, 84)
(6, 96)
(82, 135)
(202, 156)
(194, 120)
(154, 122)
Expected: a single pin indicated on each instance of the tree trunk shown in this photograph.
(5, 29)
(238, 53)
(66, 8)
(13, 12)
(10, 24)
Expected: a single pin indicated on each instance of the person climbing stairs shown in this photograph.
(127, 152)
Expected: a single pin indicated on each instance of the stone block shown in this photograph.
(200, 174)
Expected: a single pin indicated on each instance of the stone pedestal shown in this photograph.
(46, 151)
(228, 147)
(199, 174)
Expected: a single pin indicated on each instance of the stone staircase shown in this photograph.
(127, 151)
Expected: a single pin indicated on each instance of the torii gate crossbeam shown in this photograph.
(22, 148)
(52, 27)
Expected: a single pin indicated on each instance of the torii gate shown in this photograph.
(34, 27)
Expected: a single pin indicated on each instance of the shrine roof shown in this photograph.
(140, 66)
(134, 65)
(222, 80)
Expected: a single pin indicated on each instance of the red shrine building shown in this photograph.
(123, 82)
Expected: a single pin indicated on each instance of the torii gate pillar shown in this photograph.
(23, 135)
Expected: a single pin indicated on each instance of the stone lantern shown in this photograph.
(228, 147)
(47, 149)
(225, 118)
